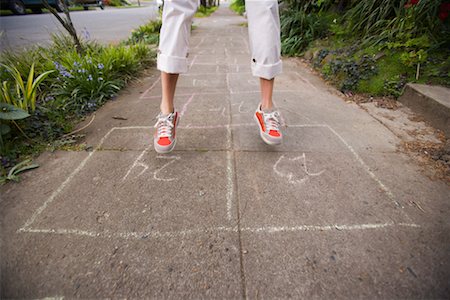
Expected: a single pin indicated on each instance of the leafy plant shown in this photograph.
(299, 29)
(238, 6)
(9, 112)
(17, 169)
(147, 33)
(24, 94)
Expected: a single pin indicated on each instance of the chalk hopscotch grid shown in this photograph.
(230, 185)
(229, 200)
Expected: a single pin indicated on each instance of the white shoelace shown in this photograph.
(164, 125)
(272, 121)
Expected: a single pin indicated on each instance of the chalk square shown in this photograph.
(136, 192)
(206, 111)
(288, 189)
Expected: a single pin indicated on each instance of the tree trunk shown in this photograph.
(66, 23)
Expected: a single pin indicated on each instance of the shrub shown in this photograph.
(299, 29)
(73, 85)
(148, 33)
(238, 6)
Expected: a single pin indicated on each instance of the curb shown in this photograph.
(432, 102)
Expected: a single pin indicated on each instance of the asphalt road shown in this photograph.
(107, 26)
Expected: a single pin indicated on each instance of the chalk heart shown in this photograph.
(295, 170)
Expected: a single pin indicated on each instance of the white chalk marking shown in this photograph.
(201, 42)
(337, 227)
(185, 106)
(215, 126)
(138, 163)
(188, 232)
(210, 74)
(366, 168)
(173, 159)
(290, 176)
(224, 93)
(192, 62)
(252, 82)
(228, 83)
(230, 185)
(150, 88)
(240, 107)
(305, 80)
(64, 184)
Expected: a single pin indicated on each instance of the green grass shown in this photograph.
(389, 67)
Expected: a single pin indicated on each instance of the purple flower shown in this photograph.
(100, 66)
(86, 33)
(89, 77)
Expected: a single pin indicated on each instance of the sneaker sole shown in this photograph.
(262, 134)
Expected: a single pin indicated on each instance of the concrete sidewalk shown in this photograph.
(329, 214)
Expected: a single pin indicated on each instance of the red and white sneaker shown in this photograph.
(164, 139)
(269, 126)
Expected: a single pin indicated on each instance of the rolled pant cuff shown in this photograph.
(172, 64)
(267, 71)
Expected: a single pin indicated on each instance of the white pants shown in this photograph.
(263, 27)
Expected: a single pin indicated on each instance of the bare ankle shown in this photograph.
(166, 110)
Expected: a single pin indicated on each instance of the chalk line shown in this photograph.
(192, 62)
(230, 184)
(150, 88)
(155, 174)
(366, 168)
(223, 93)
(185, 106)
(138, 163)
(64, 184)
(188, 232)
(305, 80)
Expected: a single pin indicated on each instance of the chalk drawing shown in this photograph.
(240, 110)
(252, 82)
(138, 163)
(173, 159)
(290, 176)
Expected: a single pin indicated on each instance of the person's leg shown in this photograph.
(265, 46)
(171, 61)
(266, 93)
(169, 84)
